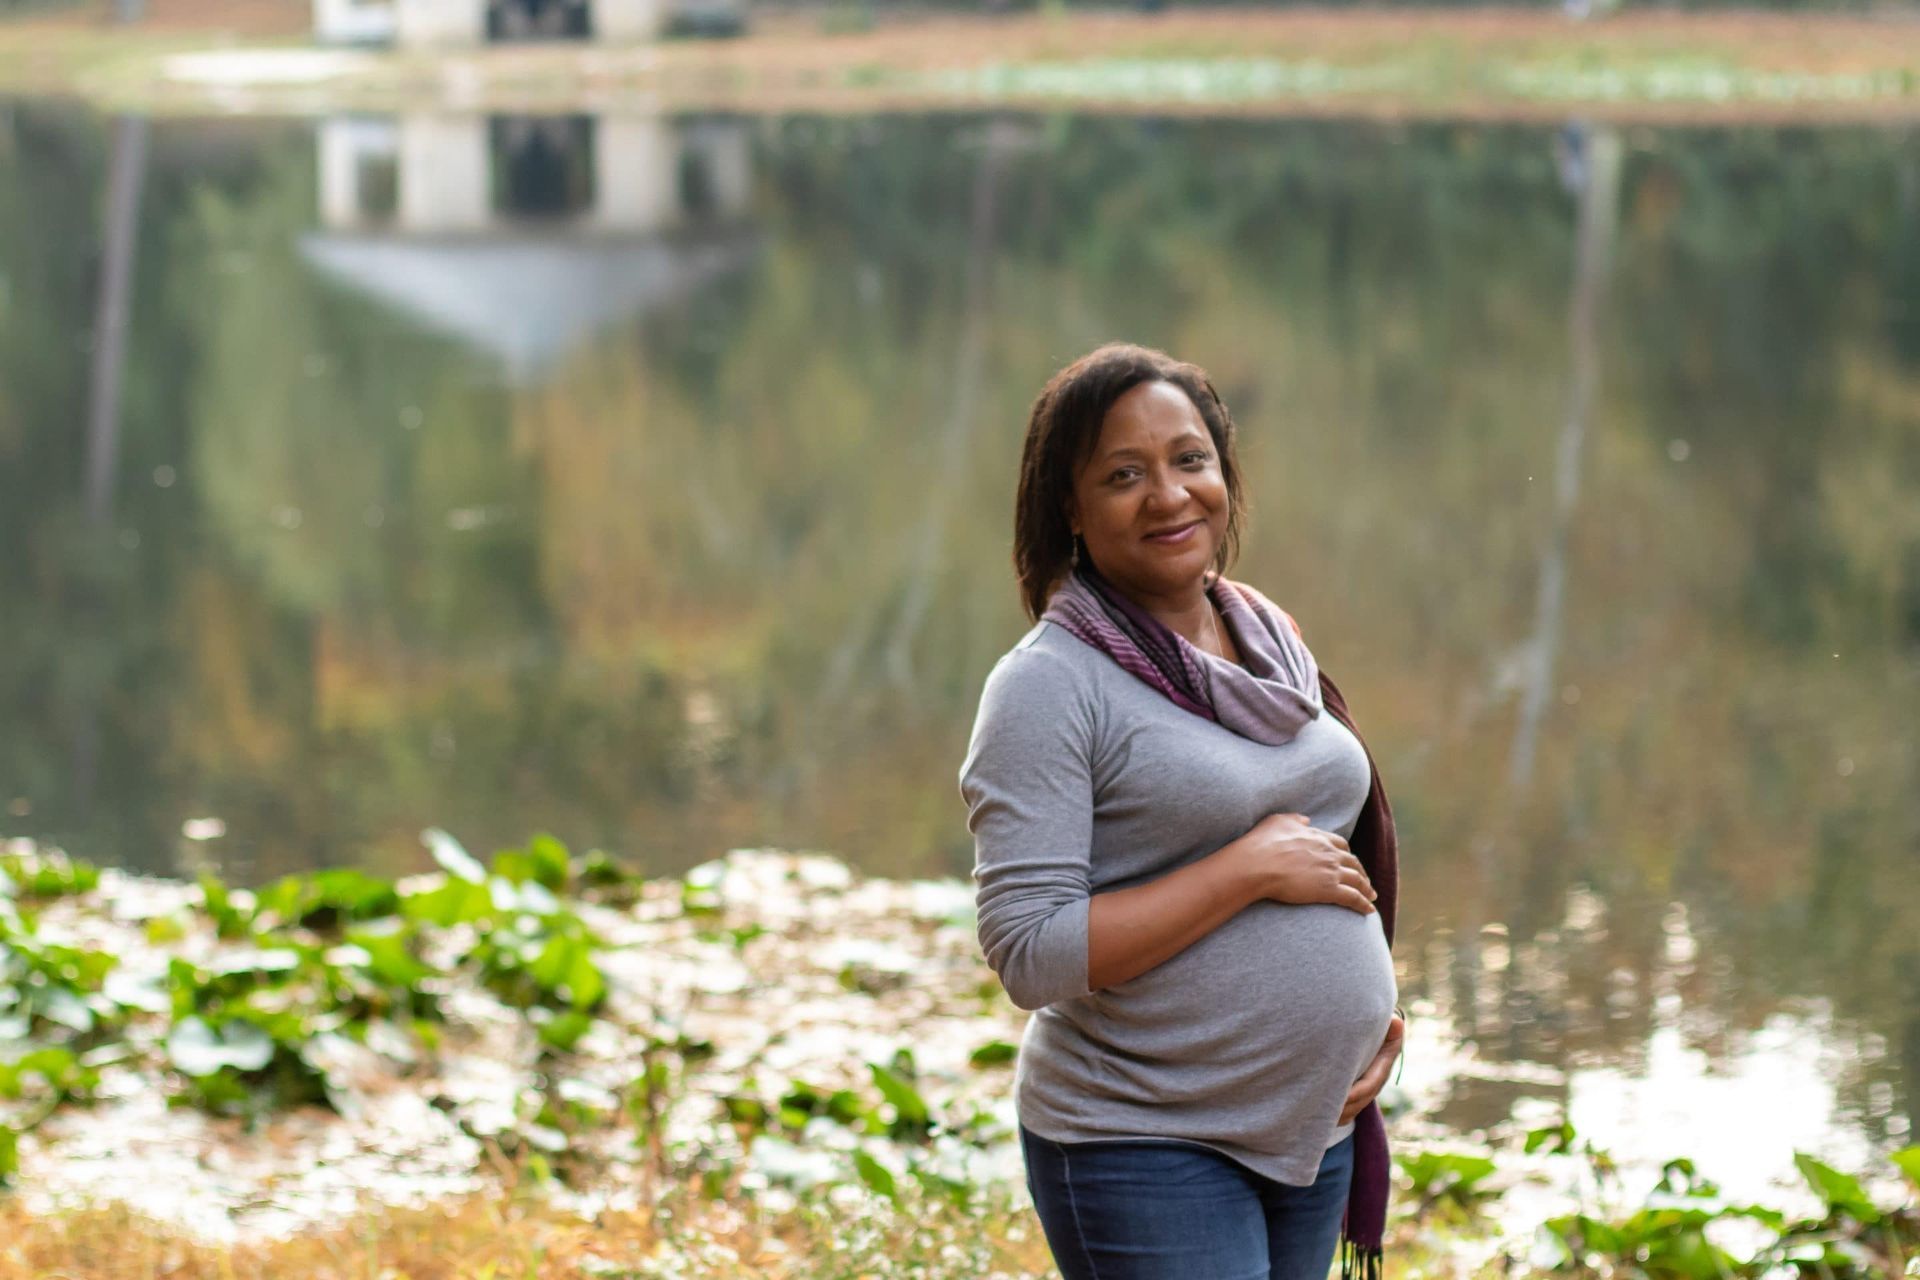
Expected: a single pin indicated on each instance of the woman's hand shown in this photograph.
(1291, 860)
(1374, 1078)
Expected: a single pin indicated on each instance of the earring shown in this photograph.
(1074, 560)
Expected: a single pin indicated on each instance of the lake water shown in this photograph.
(649, 482)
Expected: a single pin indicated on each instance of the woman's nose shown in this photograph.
(1168, 490)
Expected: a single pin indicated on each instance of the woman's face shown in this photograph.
(1151, 501)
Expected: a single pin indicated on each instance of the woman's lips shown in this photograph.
(1179, 535)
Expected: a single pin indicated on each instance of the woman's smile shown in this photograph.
(1178, 534)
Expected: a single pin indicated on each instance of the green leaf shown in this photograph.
(1908, 1162)
(454, 902)
(229, 919)
(563, 1030)
(908, 1105)
(555, 961)
(389, 957)
(549, 862)
(846, 1106)
(455, 860)
(69, 1010)
(9, 1154)
(1841, 1193)
(350, 891)
(955, 1190)
(164, 929)
(1680, 1177)
(47, 873)
(745, 1109)
(876, 1175)
(993, 1053)
(1447, 1176)
(1557, 1139)
(58, 1069)
(584, 982)
(196, 1049)
(254, 960)
(599, 870)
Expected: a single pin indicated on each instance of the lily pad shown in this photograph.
(452, 857)
(196, 1049)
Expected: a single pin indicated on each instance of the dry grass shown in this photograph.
(520, 1237)
(1447, 62)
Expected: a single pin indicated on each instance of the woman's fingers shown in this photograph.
(1359, 1096)
(1353, 900)
(1366, 1088)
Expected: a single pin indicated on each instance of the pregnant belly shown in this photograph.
(1279, 993)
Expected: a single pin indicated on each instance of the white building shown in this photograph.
(445, 23)
(525, 235)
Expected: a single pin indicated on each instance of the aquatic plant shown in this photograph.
(251, 1002)
(1671, 1235)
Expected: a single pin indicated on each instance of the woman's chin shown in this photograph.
(1161, 581)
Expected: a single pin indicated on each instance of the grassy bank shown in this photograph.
(1476, 63)
(548, 1065)
(523, 1237)
(520, 1235)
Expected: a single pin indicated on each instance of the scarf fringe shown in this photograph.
(1357, 1263)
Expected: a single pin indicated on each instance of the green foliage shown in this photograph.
(54, 1075)
(994, 1053)
(45, 874)
(326, 899)
(912, 1119)
(875, 1175)
(313, 958)
(310, 957)
(50, 989)
(1448, 1181)
(1842, 1194)
(1667, 1238)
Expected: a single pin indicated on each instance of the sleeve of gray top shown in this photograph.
(1027, 781)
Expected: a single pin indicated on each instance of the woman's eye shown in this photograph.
(1123, 474)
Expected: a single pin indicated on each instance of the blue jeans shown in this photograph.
(1148, 1210)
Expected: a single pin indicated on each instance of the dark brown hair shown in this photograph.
(1061, 432)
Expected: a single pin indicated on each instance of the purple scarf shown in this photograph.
(1269, 700)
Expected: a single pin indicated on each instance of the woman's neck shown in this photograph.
(1190, 614)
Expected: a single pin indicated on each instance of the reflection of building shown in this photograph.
(426, 23)
(524, 235)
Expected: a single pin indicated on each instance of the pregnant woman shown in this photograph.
(1185, 864)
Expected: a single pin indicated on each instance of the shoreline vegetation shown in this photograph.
(1522, 64)
(549, 1065)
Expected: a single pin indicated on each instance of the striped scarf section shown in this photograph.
(1270, 695)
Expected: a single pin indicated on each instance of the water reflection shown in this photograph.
(648, 481)
(525, 235)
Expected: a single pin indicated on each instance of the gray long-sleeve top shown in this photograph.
(1080, 778)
